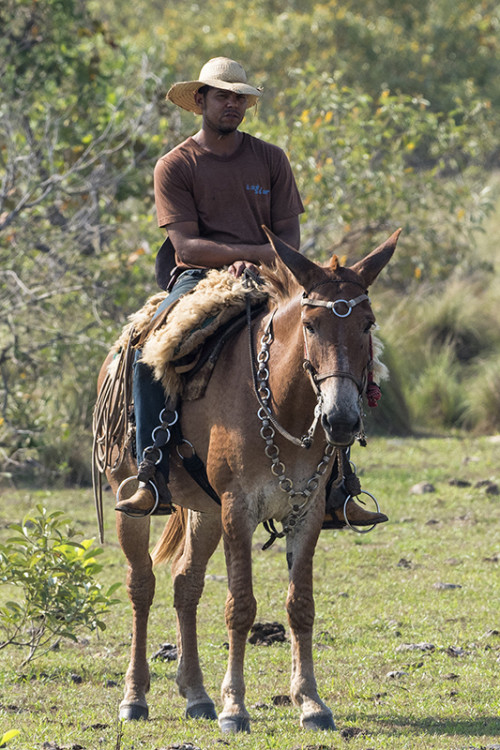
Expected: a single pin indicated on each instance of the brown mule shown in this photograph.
(243, 437)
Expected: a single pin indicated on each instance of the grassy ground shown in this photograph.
(430, 576)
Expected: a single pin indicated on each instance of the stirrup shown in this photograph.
(356, 528)
(154, 488)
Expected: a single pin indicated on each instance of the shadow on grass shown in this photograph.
(483, 726)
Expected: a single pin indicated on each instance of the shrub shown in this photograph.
(55, 593)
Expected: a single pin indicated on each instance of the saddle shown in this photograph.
(182, 346)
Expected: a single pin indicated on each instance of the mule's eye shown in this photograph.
(369, 325)
(308, 327)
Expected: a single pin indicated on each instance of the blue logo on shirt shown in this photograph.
(258, 190)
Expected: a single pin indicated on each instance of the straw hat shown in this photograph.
(221, 73)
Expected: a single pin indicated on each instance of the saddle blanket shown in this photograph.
(216, 300)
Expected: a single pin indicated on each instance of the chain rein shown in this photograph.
(298, 498)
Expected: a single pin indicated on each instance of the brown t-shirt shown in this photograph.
(230, 197)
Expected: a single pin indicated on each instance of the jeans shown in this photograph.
(148, 393)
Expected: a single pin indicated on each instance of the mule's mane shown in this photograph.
(279, 283)
(282, 285)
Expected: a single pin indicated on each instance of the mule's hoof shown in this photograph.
(202, 711)
(317, 722)
(234, 725)
(133, 712)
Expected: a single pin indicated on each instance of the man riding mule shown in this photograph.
(214, 193)
(298, 369)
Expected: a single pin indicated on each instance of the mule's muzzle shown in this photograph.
(341, 431)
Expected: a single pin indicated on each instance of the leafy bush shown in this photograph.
(55, 593)
(388, 110)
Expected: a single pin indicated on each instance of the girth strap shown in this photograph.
(193, 464)
(196, 469)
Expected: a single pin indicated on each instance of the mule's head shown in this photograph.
(337, 319)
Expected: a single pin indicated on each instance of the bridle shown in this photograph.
(332, 305)
(261, 374)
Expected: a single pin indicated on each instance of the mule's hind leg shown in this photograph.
(133, 535)
(300, 608)
(188, 573)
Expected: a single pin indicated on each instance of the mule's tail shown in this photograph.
(172, 537)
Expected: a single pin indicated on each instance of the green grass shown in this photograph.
(374, 593)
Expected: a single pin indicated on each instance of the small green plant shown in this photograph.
(53, 577)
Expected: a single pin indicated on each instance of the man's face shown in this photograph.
(223, 111)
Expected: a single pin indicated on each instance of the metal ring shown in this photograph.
(339, 315)
(286, 485)
(264, 392)
(263, 413)
(185, 442)
(278, 469)
(174, 420)
(272, 451)
(271, 433)
(135, 479)
(122, 485)
(312, 485)
(154, 435)
(146, 454)
(355, 528)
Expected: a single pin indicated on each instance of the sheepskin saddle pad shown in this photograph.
(173, 347)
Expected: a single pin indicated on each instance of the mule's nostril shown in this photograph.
(341, 431)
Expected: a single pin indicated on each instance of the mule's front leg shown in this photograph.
(240, 615)
(133, 535)
(300, 608)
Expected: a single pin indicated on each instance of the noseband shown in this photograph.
(349, 304)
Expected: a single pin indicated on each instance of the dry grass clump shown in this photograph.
(445, 345)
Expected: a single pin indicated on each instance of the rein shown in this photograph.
(261, 383)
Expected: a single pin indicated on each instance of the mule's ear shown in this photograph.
(305, 271)
(370, 267)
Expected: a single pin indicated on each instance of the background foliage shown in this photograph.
(389, 112)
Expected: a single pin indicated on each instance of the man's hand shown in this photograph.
(237, 268)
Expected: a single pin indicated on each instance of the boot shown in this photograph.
(338, 489)
(146, 500)
(358, 516)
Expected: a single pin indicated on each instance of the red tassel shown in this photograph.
(373, 394)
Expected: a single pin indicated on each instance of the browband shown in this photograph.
(331, 305)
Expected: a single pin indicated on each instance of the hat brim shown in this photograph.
(182, 94)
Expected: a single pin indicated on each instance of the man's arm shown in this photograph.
(288, 230)
(195, 251)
